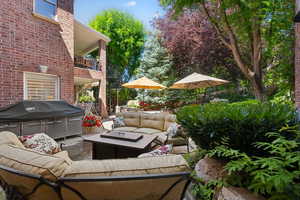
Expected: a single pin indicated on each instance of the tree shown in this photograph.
(191, 33)
(127, 41)
(156, 64)
(249, 28)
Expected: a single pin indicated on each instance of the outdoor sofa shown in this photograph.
(38, 176)
(153, 124)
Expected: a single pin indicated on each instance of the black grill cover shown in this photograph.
(38, 110)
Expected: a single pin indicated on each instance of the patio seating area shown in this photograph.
(89, 160)
(149, 100)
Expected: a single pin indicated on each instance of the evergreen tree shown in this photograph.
(156, 64)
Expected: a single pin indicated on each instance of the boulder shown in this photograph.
(210, 169)
(235, 193)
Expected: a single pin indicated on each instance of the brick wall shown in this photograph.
(102, 88)
(27, 42)
(88, 74)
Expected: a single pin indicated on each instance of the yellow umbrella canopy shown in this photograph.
(196, 80)
(144, 83)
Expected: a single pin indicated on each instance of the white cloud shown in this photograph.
(131, 3)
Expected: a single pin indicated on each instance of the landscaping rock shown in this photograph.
(210, 169)
(235, 193)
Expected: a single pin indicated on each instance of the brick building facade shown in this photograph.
(29, 40)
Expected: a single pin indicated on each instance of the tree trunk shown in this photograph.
(253, 71)
(258, 89)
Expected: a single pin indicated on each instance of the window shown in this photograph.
(41, 87)
(46, 8)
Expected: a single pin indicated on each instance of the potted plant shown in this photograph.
(91, 122)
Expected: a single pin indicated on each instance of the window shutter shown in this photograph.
(41, 87)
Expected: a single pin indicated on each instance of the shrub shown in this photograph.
(86, 99)
(276, 176)
(237, 126)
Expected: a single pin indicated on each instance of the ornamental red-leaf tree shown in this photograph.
(194, 44)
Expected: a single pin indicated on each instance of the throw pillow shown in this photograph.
(118, 122)
(173, 130)
(41, 143)
(163, 150)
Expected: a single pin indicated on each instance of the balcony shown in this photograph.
(86, 70)
(86, 63)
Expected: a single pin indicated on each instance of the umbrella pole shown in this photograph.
(117, 97)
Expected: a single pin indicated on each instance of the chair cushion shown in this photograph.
(161, 137)
(41, 143)
(177, 141)
(161, 151)
(149, 131)
(180, 149)
(169, 119)
(124, 167)
(32, 162)
(152, 120)
(125, 128)
(64, 155)
(131, 118)
(7, 137)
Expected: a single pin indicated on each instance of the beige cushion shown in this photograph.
(124, 167)
(177, 141)
(26, 160)
(169, 119)
(155, 121)
(125, 128)
(64, 155)
(7, 137)
(180, 149)
(149, 131)
(161, 137)
(131, 118)
(127, 190)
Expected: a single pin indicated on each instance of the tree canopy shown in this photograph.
(191, 33)
(127, 41)
(157, 65)
(127, 36)
(255, 31)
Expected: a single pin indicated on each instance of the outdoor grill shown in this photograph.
(58, 119)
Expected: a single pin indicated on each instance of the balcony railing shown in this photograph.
(86, 63)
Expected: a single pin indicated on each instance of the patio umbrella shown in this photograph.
(196, 80)
(144, 83)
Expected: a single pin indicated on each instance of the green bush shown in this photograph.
(276, 176)
(86, 99)
(237, 125)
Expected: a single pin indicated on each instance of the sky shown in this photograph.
(143, 10)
